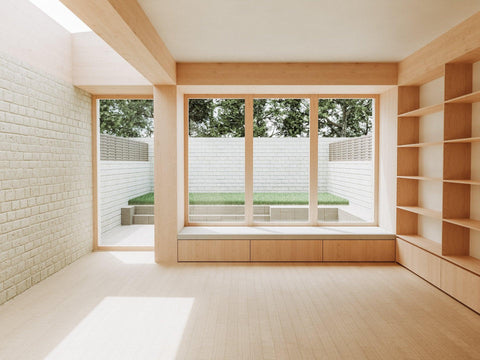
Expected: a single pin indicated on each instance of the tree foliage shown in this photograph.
(344, 117)
(226, 117)
(126, 118)
(216, 117)
(279, 117)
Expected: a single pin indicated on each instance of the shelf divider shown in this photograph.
(465, 99)
(468, 223)
(422, 211)
(422, 178)
(422, 144)
(427, 110)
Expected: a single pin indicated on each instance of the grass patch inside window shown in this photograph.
(258, 199)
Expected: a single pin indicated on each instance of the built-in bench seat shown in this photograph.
(245, 244)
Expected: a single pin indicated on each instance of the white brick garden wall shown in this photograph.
(353, 180)
(45, 176)
(120, 181)
(280, 164)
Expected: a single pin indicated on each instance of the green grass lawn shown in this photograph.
(258, 199)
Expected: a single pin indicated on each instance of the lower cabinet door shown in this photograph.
(213, 250)
(359, 250)
(420, 262)
(286, 250)
(461, 284)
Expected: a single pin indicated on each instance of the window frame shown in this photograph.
(313, 164)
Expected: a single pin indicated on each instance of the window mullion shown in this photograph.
(249, 160)
(313, 199)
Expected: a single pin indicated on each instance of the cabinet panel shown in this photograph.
(213, 250)
(461, 284)
(286, 250)
(419, 261)
(359, 250)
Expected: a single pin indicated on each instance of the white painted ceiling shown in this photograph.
(302, 30)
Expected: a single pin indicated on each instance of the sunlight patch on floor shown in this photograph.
(128, 328)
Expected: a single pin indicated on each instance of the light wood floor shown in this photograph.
(124, 306)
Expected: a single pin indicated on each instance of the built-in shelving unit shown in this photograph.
(444, 258)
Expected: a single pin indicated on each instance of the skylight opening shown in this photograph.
(62, 15)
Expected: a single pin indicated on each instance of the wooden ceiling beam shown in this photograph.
(286, 73)
(459, 44)
(126, 28)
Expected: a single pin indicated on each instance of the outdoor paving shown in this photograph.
(129, 235)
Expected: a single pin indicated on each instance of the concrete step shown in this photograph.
(144, 209)
(143, 219)
(225, 218)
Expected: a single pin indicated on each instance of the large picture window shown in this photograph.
(303, 160)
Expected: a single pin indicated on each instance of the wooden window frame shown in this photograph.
(313, 164)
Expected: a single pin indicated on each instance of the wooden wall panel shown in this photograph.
(287, 250)
(213, 250)
(359, 250)
(419, 261)
(461, 284)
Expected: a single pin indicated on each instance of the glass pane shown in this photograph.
(281, 160)
(216, 160)
(345, 160)
(125, 172)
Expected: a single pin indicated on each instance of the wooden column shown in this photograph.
(165, 174)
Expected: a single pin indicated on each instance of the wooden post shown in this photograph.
(165, 174)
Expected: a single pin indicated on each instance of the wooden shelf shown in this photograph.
(424, 144)
(423, 178)
(423, 243)
(427, 110)
(467, 182)
(467, 262)
(464, 140)
(466, 99)
(468, 223)
(422, 211)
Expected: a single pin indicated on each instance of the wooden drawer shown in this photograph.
(286, 250)
(359, 250)
(213, 250)
(419, 261)
(461, 284)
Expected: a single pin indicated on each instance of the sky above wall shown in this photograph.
(62, 15)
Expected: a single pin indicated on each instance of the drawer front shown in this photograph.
(359, 250)
(419, 261)
(286, 250)
(213, 250)
(461, 284)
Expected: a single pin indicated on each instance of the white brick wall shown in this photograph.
(353, 180)
(45, 176)
(280, 164)
(121, 181)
